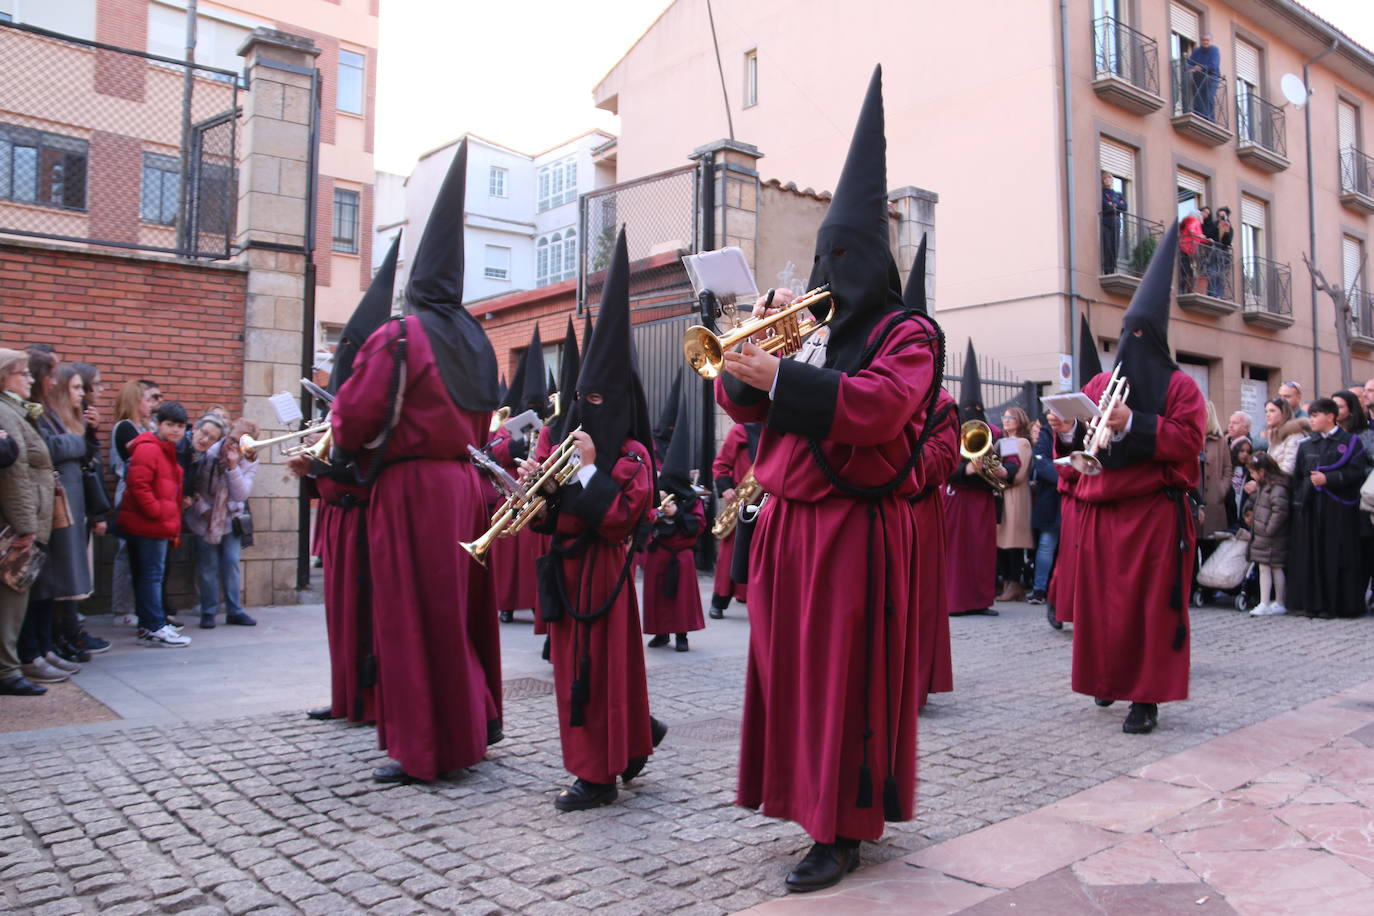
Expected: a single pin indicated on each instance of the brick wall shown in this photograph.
(133, 316)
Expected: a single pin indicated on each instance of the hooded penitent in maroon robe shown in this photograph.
(341, 545)
(1060, 594)
(438, 649)
(820, 651)
(672, 602)
(939, 459)
(614, 720)
(970, 514)
(731, 466)
(1124, 572)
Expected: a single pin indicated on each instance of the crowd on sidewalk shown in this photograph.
(1284, 514)
(171, 479)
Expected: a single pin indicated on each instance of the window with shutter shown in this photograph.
(1248, 63)
(1185, 22)
(1192, 189)
(1347, 130)
(1117, 158)
(1252, 211)
(1352, 256)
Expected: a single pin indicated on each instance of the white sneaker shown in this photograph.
(1277, 608)
(1261, 610)
(1268, 610)
(165, 638)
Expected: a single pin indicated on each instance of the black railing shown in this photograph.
(1260, 123)
(1361, 312)
(1267, 286)
(1206, 269)
(1127, 242)
(109, 146)
(1121, 51)
(1357, 172)
(1197, 92)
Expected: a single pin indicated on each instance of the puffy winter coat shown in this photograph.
(152, 493)
(1269, 528)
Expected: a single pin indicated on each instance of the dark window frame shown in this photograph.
(48, 152)
(344, 209)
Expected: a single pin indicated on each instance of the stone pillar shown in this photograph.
(916, 215)
(736, 181)
(272, 235)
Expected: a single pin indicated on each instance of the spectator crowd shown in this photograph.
(171, 480)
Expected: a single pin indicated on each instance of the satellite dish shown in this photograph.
(1293, 88)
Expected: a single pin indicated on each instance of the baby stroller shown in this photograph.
(1228, 570)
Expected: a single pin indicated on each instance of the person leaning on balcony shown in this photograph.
(1191, 242)
(1204, 70)
(26, 492)
(1113, 206)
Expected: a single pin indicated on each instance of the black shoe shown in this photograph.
(716, 613)
(240, 620)
(659, 641)
(20, 686)
(494, 733)
(393, 773)
(636, 766)
(506, 616)
(207, 621)
(1035, 598)
(1050, 616)
(92, 644)
(68, 652)
(681, 644)
(545, 653)
(983, 612)
(1103, 703)
(324, 712)
(582, 795)
(1142, 719)
(824, 866)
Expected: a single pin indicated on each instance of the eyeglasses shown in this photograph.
(155, 397)
(22, 372)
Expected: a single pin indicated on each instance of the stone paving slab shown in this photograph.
(197, 803)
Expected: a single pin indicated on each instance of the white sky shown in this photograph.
(521, 72)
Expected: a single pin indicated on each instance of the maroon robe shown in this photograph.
(679, 613)
(732, 464)
(434, 615)
(1124, 568)
(815, 560)
(971, 533)
(616, 726)
(339, 525)
(939, 461)
(1060, 596)
(512, 559)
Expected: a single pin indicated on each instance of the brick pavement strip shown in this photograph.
(271, 813)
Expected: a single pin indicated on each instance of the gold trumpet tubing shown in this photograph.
(787, 329)
(248, 444)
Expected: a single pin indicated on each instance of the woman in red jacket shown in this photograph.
(150, 517)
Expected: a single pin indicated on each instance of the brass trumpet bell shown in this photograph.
(786, 330)
(249, 445)
(975, 444)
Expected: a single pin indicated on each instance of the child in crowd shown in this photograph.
(1269, 531)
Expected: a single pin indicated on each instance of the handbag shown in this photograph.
(243, 526)
(19, 567)
(1225, 568)
(61, 509)
(97, 500)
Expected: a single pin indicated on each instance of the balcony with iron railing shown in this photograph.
(1125, 244)
(1206, 277)
(1261, 132)
(1200, 109)
(1126, 66)
(1361, 318)
(1267, 292)
(1357, 180)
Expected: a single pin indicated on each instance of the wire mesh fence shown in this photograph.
(115, 147)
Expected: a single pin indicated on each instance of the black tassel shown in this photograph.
(581, 692)
(1176, 597)
(1180, 635)
(892, 808)
(865, 799)
(367, 672)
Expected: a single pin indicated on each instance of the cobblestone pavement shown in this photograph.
(273, 814)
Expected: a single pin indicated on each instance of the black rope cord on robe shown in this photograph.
(874, 495)
(1177, 496)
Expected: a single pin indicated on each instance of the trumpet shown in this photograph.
(1099, 434)
(519, 509)
(975, 444)
(498, 417)
(249, 445)
(745, 494)
(705, 351)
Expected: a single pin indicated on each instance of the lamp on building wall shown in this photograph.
(488, 316)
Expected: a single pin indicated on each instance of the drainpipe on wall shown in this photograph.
(1312, 215)
(308, 321)
(1070, 197)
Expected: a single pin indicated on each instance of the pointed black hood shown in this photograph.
(372, 312)
(1089, 364)
(676, 474)
(515, 394)
(608, 369)
(914, 296)
(1144, 357)
(568, 369)
(971, 389)
(467, 363)
(534, 393)
(502, 390)
(853, 245)
(667, 417)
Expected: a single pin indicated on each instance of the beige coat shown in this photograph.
(1015, 528)
(26, 487)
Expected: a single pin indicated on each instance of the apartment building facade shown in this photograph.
(1012, 115)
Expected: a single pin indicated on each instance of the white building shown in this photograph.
(522, 217)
